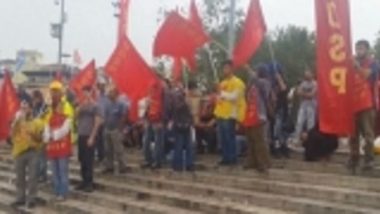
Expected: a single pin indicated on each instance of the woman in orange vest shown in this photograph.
(57, 135)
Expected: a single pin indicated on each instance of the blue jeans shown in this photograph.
(227, 139)
(155, 135)
(306, 118)
(280, 134)
(183, 144)
(60, 169)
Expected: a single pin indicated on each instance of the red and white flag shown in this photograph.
(77, 59)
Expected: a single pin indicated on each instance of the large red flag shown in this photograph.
(130, 73)
(253, 34)
(86, 77)
(196, 20)
(9, 105)
(179, 38)
(123, 18)
(334, 65)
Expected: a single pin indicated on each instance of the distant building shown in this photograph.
(41, 75)
(8, 64)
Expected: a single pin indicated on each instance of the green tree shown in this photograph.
(377, 47)
(293, 47)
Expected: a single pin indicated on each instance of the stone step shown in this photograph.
(112, 186)
(226, 194)
(66, 207)
(206, 162)
(323, 193)
(256, 182)
(307, 177)
(124, 204)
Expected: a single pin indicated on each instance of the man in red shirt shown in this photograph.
(365, 76)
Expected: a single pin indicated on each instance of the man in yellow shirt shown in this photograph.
(230, 109)
(27, 140)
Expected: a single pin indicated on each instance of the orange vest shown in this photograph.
(252, 112)
(60, 148)
(363, 91)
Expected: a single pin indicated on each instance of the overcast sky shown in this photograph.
(91, 27)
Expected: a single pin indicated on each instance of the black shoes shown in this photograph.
(88, 188)
(85, 188)
(31, 205)
(17, 204)
(80, 187)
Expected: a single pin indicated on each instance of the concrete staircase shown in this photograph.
(292, 186)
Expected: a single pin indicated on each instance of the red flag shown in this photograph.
(86, 77)
(252, 35)
(123, 18)
(130, 73)
(195, 19)
(178, 37)
(177, 69)
(9, 105)
(334, 65)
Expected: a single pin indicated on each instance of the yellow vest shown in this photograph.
(226, 109)
(22, 135)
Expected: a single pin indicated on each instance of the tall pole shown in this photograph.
(231, 29)
(61, 30)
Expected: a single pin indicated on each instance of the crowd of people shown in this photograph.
(254, 121)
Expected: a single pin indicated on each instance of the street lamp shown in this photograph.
(57, 29)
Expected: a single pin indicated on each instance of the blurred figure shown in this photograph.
(308, 106)
(365, 77)
(101, 103)
(58, 136)
(27, 140)
(88, 120)
(230, 109)
(154, 136)
(319, 146)
(181, 122)
(258, 156)
(115, 118)
(206, 126)
(39, 112)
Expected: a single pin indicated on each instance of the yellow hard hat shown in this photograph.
(56, 85)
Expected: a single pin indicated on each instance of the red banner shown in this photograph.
(334, 54)
(86, 77)
(178, 37)
(9, 105)
(130, 73)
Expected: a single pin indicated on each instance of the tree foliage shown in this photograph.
(377, 47)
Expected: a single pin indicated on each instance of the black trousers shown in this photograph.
(86, 159)
(99, 144)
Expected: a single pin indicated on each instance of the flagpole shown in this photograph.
(215, 72)
(231, 28)
(60, 39)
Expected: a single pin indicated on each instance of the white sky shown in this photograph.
(91, 27)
